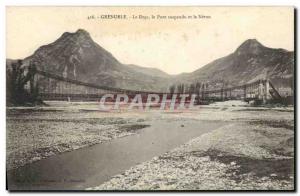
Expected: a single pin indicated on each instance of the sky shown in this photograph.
(148, 39)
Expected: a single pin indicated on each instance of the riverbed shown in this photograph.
(68, 145)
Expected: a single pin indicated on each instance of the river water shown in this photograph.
(96, 164)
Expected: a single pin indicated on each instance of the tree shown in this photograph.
(198, 87)
(180, 88)
(17, 79)
(203, 89)
(192, 89)
(172, 89)
(198, 91)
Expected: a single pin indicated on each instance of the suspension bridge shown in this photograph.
(57, 87)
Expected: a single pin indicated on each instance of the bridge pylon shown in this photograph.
(267, 90)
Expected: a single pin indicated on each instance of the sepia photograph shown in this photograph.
(150, 98)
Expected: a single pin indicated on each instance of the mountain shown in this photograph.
(149, 71)
(77, 56)
(249, 62)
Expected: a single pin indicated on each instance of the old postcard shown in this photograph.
(150, 98)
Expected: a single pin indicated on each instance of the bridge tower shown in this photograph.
(245, 91)
(267, 91)
(261, 90)
(226, 94)
(222, 94)
(264, 90)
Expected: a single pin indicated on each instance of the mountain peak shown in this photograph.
(82, 32)
(252, 42)
(250, 46)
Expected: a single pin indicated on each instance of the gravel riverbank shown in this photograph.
(233, 157)
(255, 151)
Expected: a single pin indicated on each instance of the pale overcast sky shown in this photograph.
(174, 46)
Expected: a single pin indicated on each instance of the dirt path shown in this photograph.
(92, 166)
